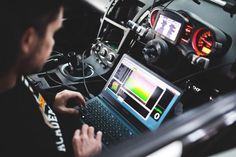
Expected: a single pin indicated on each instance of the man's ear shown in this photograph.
(28, 41)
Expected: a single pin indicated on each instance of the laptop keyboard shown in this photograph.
(98, 116)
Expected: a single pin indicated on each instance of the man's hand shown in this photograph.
(85, 143)
(62, 98)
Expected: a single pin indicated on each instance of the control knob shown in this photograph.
(110, 57)
(96, 48)
(103, 52)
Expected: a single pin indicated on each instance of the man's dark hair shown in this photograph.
(16, 17)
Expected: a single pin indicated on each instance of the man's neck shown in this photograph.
(8, 81)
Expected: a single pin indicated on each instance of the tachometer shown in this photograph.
(202, 42)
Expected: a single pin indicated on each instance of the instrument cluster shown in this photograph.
(188, 32)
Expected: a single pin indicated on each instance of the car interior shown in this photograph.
(189, 43)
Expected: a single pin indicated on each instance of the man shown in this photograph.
(29, 127)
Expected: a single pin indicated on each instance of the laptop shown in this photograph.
(133, 100)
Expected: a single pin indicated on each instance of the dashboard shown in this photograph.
(195, 38)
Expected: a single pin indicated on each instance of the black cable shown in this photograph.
(160, 2)
(84, 81)
(168, 4)
(153, 4)
(58, 54)
(201, 72)
(55, 60)
(101, 76)
(98, 74)
(55, 57)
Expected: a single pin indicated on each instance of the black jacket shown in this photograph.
(24, 129)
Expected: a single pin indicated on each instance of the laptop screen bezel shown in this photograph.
(115, 104)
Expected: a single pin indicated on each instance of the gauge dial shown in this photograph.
(203, 42)
(153, 16)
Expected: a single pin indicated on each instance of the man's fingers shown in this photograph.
(67, 94)
(99, 136)
(70, 110)
(77, 132)
(80, 98)
(91, 132)
(84, 130)
(76, 136)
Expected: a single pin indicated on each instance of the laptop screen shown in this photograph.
(145, 95)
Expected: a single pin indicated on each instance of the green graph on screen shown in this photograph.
(115, 86)
(137, 88)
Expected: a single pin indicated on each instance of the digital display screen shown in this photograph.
(142, 94)
(168, 27)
